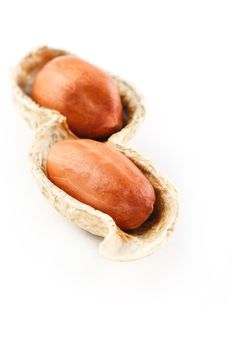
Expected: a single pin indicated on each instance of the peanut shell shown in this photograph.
(50, 127)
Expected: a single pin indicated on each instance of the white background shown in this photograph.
(56, 291)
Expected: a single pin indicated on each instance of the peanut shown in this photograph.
(102, 177)
(83, 93)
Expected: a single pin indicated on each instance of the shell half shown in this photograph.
(22, 78)
(116, 244)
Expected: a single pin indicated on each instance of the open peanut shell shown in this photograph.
(22, 80)
(116, 244)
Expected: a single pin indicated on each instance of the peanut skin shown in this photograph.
(83, 93)
(102, 177)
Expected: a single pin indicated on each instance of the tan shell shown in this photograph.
(51, 127)
(22, 79)
(117, 244)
